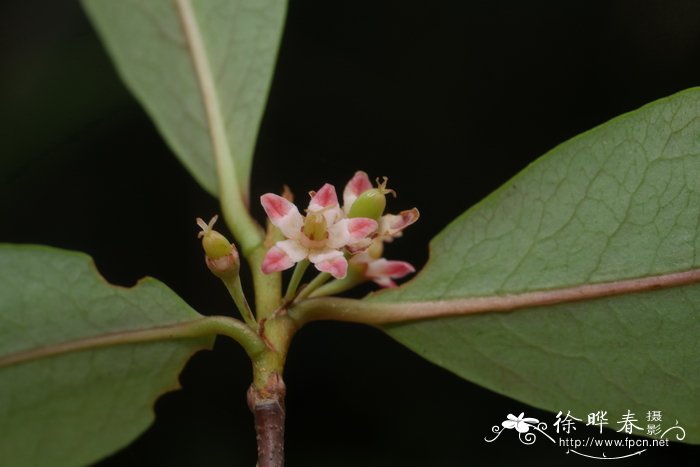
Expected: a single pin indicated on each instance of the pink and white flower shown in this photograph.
(320, 236)
(390, 225)
(378, 269)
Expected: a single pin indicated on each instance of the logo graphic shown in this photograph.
(528, 429)
(522, 426)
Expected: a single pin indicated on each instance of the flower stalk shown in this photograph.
(298, 274)
(312, 286)
(235, 289)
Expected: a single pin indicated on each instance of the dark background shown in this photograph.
(449, 99)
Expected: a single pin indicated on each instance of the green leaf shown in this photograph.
(617, 203)
(82, 362)
(155, 45)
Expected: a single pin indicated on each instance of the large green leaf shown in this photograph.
(173, 53)
(617, 203)
(79, 372)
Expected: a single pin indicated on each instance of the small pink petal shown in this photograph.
(275, 206)
(391, 225)
(350, 231)
(283, 214)
(385, 282)
(294, 249)
(392, 269)
(337, 267)
(317, 256)
(330, 260)
(359, 246)
(275, 260)
(338, 235)
(357, 185)
(360, 227)
(324, 198)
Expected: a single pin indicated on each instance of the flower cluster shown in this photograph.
(336, 238)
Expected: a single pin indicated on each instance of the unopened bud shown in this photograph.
(371, 203)
(221, 255)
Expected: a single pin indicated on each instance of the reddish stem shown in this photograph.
(267, 406)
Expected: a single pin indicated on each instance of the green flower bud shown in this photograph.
(221, 255)
(371, 203)
(215, 245)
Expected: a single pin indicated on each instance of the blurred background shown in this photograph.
(448, 99)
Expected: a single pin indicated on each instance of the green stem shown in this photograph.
(298, 274)
(235, 289)
(203, 327)
(236, 330)
(332, 288)
(268, 287)
(354, 277)
(232, 195)
(313, 285)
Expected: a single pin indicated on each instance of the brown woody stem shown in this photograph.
(269, 412)
(266, 394)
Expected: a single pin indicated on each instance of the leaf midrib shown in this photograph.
(193, 329)
(232, 193)
(377, 313)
